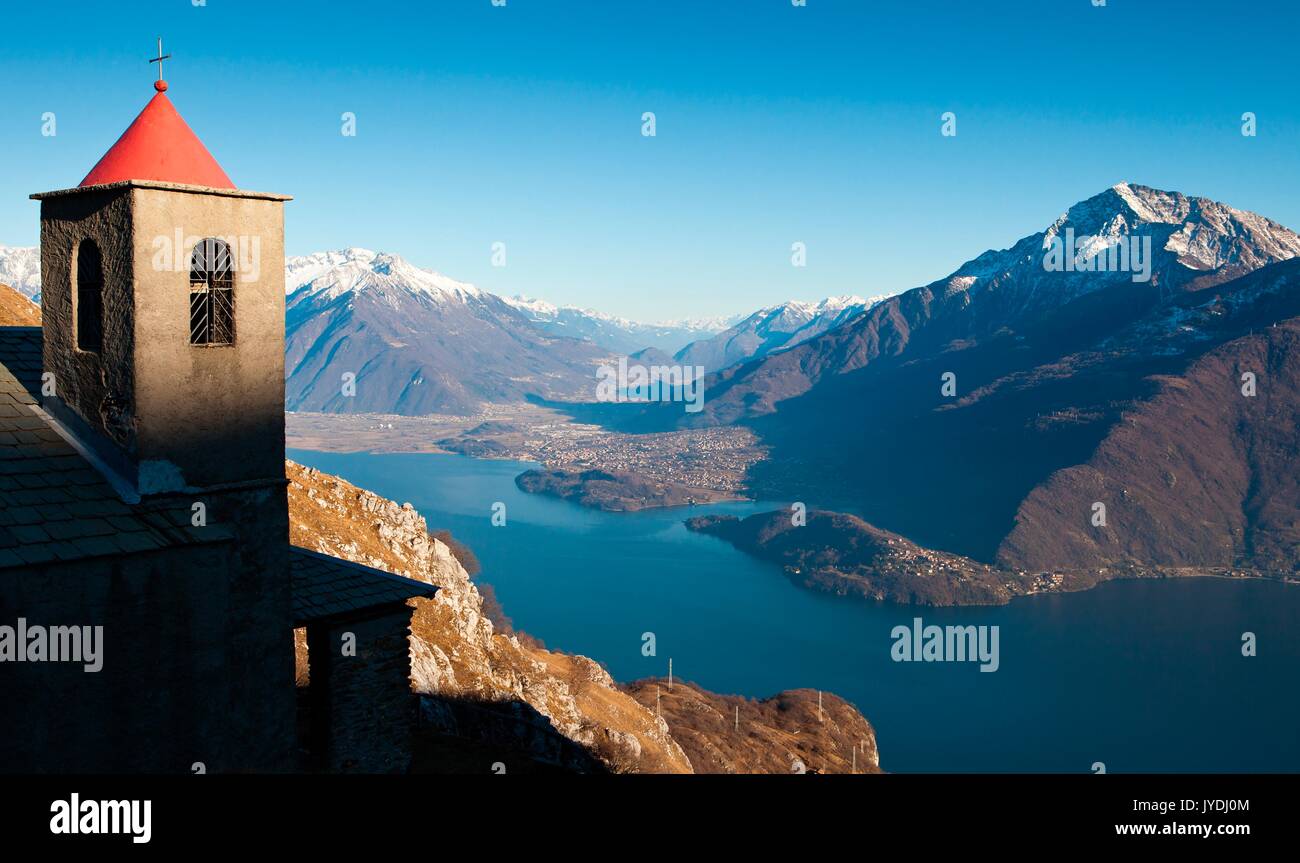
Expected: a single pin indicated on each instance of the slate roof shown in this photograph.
(325, 587)
(54, 505)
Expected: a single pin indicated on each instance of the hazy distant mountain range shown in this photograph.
(985, 414)
(419, 342)
(772, 329)
(617, 334)
(714, 343)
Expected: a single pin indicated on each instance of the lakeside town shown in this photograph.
(712, 460)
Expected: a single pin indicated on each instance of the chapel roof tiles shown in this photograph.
(326, 587)
(54, 505)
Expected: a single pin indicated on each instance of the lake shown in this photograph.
(1138, 675)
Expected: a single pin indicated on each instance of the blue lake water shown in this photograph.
(1139, 675)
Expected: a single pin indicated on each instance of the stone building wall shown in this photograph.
(362, 708)
(214, 413)
(184, 415)
(181, 681)
(100, 388)
(260, 645)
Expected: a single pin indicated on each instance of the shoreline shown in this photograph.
(847, 666)
(1149, 575)
(641, 471)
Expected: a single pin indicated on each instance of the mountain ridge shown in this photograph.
(616, 333)
(416, 341)
(413, 342)
(772, 329)
(1008, 288)
(1038, 426)
(561, 344)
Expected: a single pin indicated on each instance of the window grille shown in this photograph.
(212, 294)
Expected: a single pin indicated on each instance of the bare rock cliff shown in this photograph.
(458, 659)
(501, 689)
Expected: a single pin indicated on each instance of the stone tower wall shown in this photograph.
(211, 414)
(99, 388)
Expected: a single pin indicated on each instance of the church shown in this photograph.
(143, 498)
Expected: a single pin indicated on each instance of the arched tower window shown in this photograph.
(212, 294)
(90, 297)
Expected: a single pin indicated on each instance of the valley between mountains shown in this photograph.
(489, 693)
(1006, 431)
(1011, 428)
(958, 440)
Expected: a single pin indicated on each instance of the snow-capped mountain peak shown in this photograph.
(20, 269)
(829, 305)
(1186, 236)
(355, 270)
(772, 329)
(835, 304)
(301, 269)
(541, 310)
(538, 309)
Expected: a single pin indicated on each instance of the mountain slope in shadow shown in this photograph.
(953, 414)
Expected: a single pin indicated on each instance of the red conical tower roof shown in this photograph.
(159, 146)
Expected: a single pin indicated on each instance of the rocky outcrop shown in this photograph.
(502, 691)
(473, 676)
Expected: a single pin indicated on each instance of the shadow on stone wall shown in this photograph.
(459, 735)
(465, 736)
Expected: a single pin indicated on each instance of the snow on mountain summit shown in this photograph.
(20, 269)
(1188, 237)
(356, 269)
(1201, 233)
(772, 329)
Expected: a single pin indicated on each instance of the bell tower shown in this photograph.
(163, 301)
(163, 359)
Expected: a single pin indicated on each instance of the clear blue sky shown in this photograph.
(776, 124)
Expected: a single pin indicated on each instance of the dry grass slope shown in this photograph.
(781, 734)
(16, 310)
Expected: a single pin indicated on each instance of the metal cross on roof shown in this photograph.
(160, 58)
